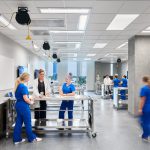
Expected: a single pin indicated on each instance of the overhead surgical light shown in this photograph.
(22, 16)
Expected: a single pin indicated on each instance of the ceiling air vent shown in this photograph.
(48, 23)
(40, 32)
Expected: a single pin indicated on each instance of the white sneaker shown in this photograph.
(37, 140)
(23, 140)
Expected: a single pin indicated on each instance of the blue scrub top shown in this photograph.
(68, 89)
(20, 91)
(145, 92)
(116, 82)
(124, 82)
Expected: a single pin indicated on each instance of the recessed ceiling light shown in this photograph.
(87, 58)
(82, 22)
(71, 32)
(65, 10)
(100, 45)
(5, 22)
(35, 46)
(122, 45)
(67, 42)
(121, 21)
(91, 55)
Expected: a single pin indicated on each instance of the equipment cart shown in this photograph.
(118, 103)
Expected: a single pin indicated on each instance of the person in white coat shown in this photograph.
(41, 87)
(107, 83)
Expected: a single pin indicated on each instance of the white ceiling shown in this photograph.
(101, 14)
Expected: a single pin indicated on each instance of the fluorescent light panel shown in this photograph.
(146, 31)
(65, 10)
(5, 22)
(122, 45)
(82, 22)
(67, 42)
(71, 32)
(121, 21)
(100, 45)
(91, 55)
(87, 58)
(78, 45)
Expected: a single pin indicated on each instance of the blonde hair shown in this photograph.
(20, 80)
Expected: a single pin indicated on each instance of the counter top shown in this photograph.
(3, 100)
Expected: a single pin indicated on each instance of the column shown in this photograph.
(139, 66)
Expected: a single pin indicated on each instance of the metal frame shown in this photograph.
(88, 126)
(116, 104)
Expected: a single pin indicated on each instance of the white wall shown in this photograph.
(21, 56)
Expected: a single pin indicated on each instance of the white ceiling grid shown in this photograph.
(101, 15)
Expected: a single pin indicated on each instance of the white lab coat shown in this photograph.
(107, 81)
(36, 91)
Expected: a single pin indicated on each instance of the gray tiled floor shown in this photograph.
(117, 130)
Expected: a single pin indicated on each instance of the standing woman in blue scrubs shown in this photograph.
(144, 108)
(23, 111)
(124, 83)
(116, 81)
(68, 89)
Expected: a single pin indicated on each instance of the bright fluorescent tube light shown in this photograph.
(71, 32)
(122, 45)
(77, 46)
(121, 21)
(5, 22)
(148, 28)
(91, 55)
(87, 58)
(63, 42)
(82, 22)
(35, 46)
(100, 45)
(65, 10)
(146, 31)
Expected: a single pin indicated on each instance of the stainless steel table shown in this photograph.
(78, 125)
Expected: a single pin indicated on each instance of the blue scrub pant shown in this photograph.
(123, 94)
(66, 105)
(145, 123)
(23, 116)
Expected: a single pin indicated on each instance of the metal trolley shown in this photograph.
(78, 125)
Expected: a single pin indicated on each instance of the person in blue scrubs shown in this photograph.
(144, 108)
(116, 81)
(68, 89)
(23, 111)
(124, 83)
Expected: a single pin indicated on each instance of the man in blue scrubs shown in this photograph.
(68, 89)
(144, 109)
(124, 83)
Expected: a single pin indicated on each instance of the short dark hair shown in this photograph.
(41, 71)
(124, 76)
(146, 79)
